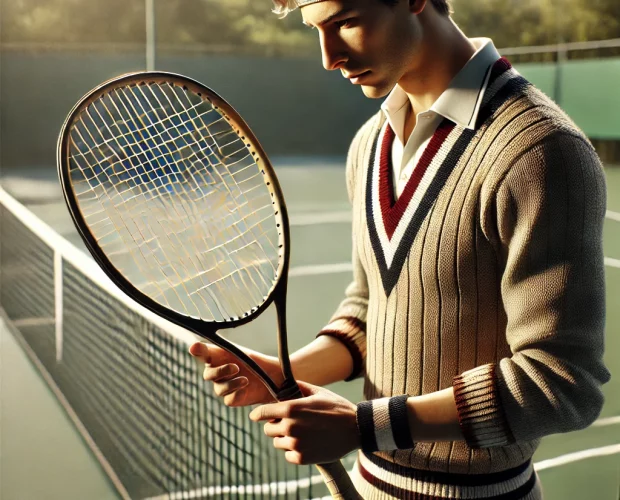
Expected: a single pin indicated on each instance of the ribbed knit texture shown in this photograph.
(488, 277)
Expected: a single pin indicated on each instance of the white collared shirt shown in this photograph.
(460, 102)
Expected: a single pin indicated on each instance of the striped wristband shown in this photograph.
(383, 424)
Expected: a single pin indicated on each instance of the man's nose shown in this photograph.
(332, 52)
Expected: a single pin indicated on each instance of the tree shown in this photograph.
(249, 26)
(514, 23)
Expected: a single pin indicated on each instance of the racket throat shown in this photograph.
(289, 390)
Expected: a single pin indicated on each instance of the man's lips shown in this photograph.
(355, 77)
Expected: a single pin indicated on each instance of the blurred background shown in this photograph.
(97, 401)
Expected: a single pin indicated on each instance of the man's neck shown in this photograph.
(444, 52)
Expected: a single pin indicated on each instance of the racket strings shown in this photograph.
(178, 168)
(102, 215)
(159, 259)
(245, 168)
(143, 136)
(256, 175)
(252, 177)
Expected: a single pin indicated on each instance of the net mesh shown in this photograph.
(132, 383)
(176, 199)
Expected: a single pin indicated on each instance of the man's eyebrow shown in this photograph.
(341, 12)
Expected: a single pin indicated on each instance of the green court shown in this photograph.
(570, 466)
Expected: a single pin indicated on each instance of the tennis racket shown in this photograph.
(180, 206)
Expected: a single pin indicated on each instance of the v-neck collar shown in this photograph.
(394, 225)
(392, 210)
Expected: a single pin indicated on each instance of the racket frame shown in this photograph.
(334, 474)
(203, 328)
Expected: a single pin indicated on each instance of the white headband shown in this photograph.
(301, 3)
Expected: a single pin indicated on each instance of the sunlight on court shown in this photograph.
(318, 278)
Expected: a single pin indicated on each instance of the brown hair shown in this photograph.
(283, 7)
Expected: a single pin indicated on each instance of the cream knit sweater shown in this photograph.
(486, 275)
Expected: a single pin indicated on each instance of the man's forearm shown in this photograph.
(434, 417)
(324, 361)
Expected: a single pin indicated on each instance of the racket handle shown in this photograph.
(336, 477)
(338, 481)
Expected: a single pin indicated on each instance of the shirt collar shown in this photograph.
(460, 102)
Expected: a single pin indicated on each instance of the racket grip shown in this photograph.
(338, 481)
(336, 477)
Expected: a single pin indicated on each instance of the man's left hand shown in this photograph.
(319, 428)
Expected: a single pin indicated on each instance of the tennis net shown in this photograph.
(127, 379)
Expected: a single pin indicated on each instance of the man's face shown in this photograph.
(371, 43)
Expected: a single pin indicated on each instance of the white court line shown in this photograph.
(609, 262)
(341, 216)
(604, 422)
(344, 216)
(28, 322)
(292, 486)
(346, 267)
(569, 458)
(615, 216)
(311, 219)
(341, 267)
(280, 488)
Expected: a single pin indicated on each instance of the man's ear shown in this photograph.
(416, 6)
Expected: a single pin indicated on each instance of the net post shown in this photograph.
(150, 34)
(58, 307)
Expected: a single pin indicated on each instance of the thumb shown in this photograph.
(201, 351)
(308, 389)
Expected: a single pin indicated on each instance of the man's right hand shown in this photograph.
(232, 380)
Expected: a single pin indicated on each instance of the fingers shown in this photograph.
(230, 387)
(200, 351)
(279, 428)
(295, 458)
(274, 411)
(223, 378)
(223, 374)
(292, 448)
(219, 373)
(285, 443)
(237, 397)
(218, 367)
(211, 354)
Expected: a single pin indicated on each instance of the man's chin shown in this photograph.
(375, 91)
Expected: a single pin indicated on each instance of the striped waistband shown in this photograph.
(413, 484)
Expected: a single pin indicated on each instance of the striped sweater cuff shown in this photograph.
(383, 424)
(480, 413)
(352, 333)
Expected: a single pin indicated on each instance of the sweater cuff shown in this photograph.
(480, 412)
(352, 333)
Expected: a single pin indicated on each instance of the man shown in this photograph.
(476, 311)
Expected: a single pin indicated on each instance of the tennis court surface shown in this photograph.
(126, 405)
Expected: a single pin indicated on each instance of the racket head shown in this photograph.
(83, 124)
(335, 475)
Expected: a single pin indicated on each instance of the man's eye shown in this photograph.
(345, 23)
